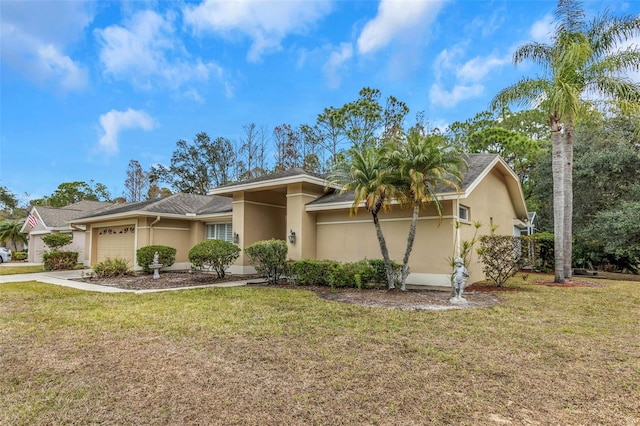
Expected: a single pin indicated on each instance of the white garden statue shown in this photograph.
(459, 280)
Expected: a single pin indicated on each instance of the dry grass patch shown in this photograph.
(279, 356)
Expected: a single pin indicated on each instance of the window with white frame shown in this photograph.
(220, 231)
(463, 213)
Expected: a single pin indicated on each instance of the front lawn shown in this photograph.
(268, 356)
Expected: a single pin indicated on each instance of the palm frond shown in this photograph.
(524, 93)
(539, 53)
(570, 16)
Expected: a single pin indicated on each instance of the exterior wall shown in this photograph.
(490, 204)
(37, 247)
(176, 233)
(172, 233)
(257, 216)
(351, 238)
(301, 222)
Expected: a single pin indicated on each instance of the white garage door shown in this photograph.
(116, 242)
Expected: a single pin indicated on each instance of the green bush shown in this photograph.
(269, 258)
(112, 268)
(546, 260)
(57, 240)
(19, 255)
(310, 272)
(380, 272)
(213, 254)
(336, 274)
(501, 257)
(166, 256)
(60, 260)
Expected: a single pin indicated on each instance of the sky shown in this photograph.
(87, 86)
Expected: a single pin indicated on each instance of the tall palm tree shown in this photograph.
(584, 58)
(424, 164)
(366, 174)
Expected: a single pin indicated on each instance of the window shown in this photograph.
(463, 213)
(220, 231)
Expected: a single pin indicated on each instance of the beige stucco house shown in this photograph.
(51, 220)
(296, 206)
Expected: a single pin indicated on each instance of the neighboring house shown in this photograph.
(47, 220)
(296, 206)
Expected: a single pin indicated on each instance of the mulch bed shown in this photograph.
(410, 299)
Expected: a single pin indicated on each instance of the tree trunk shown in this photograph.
(568, 198)
(410, 239)
(558, 159)
(385, 252)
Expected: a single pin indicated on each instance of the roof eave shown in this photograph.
(228, 191)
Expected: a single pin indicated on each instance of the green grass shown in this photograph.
(276, 356)
(29, 269)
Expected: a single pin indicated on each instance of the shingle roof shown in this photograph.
(53, 217)
(176, 204)
(296, 171)
(477, 163)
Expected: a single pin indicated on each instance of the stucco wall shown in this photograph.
(489, 203)
(351, 238)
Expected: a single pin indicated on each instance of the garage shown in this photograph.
(116, 242)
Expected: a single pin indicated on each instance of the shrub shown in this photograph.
(57, 240)
(213, 254)
(166, 256)
(501, 257)
(310, 272)
(269, 258)
(336, 274)
(19, 255)
(380, 272)
(546, 259)
(60, 260)
(112, 268)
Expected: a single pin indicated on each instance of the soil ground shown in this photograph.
(476, 295)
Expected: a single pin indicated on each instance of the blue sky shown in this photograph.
(88, 86)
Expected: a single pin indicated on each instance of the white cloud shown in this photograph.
(146, 50)
(447, 60)
(396, 19)
(113, 122)
(34, 36)
(542, 30)
(266, 23)
(332, 67)
(478, 68)
(447, 99)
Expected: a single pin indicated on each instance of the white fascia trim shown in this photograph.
(304, 194)
(348, 204)
(268, 183)
(134, 215)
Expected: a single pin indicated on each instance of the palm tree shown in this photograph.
(366, 174)
(585, 58)
(10, 231)
(424, 164)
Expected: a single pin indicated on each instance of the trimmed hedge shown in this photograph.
(213, 254)
(269, 258)
(60, 260)
(57, 240)
(166, 256)
(337, 274)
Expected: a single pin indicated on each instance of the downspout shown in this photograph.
(151, 229)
